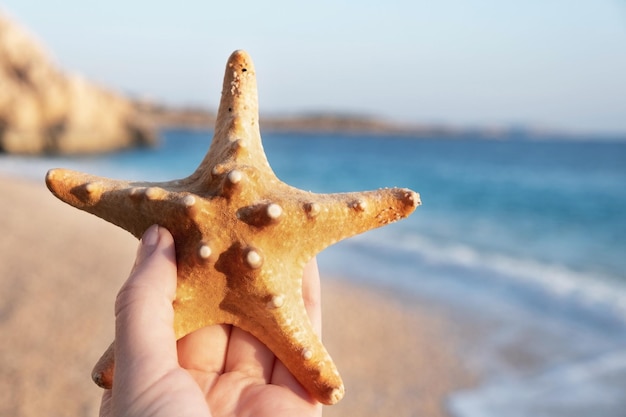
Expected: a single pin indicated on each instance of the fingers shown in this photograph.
(311, 293)
(246, 354)
(214, 350)
(203, 353)
(145, 344)
(105, 404)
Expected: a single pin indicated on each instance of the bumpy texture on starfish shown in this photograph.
(242, 236)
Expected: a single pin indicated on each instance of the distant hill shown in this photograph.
(45, 110)
(167, 117)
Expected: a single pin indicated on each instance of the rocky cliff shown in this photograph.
(44, 110)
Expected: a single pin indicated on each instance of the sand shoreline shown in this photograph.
(60, 270)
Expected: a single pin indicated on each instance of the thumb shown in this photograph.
(145, 344)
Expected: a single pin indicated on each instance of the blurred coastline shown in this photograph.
(164, 117)
(517, 253)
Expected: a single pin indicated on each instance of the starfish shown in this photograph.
(242, 236)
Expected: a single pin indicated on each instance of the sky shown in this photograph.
(556, 64)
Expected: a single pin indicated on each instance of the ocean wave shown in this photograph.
(595, 382)
(585, 289)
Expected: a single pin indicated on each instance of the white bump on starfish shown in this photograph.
(274, 211)
(235, 176)
(152, 193)
(254, 259)
(189, 200)
(307, 353)
(312, 209)
(260, 215)
(204, 251)
(240, 144)
(93, 187)
(359, 205)
(234, 84)
(218, 170)
(277, 301)
(413, 197)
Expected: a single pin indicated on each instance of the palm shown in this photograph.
(236, 394)
(239, 376)
(233, 374)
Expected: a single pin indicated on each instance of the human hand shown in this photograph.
(215, 371)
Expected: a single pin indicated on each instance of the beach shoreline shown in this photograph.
(60, 272)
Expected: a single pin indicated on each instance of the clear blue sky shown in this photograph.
(552, 63)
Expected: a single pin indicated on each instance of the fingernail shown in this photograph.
(150, 236)
(148, 244)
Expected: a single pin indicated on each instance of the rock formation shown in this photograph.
(43, 110)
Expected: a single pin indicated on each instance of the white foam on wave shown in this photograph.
(589, 386)
(551, 339)
(586, 289)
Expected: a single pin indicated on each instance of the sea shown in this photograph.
(521, 241)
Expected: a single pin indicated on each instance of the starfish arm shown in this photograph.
(237, 134)
(289, 334)
(133, 206)
(334, 217)
(267, 302)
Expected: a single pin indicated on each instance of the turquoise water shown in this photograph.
(528, 236)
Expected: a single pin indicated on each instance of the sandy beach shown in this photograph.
(60, 270)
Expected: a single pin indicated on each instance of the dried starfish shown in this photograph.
(242, 236)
